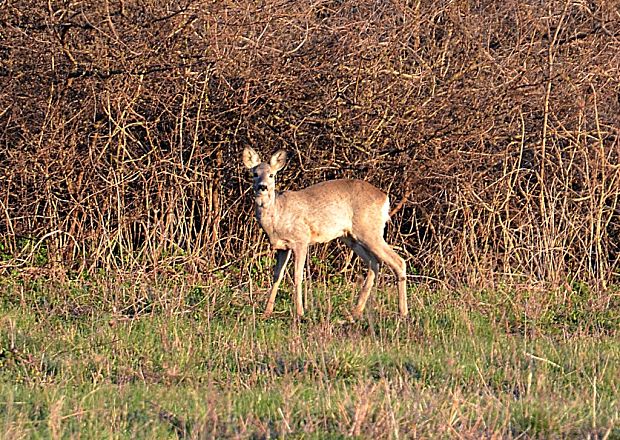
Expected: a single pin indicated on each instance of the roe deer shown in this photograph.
(352, 210)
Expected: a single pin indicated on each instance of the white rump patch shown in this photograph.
(385, 211)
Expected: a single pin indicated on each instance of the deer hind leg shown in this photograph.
(373, 270)
(278, 273)
(385, 253)
(300, 251)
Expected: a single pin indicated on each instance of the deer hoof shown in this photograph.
(356, 315)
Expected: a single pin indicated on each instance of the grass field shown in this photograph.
(142, 359)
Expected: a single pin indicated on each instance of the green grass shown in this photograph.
(145, 359)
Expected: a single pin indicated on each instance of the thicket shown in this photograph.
(493, 125)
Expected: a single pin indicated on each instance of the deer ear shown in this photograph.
(250, 158)
(278, 160)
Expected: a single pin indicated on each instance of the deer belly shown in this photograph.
(328, 232)
(278, 244)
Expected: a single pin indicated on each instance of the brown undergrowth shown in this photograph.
(493, 125)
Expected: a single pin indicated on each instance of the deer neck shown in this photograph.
(267, 207)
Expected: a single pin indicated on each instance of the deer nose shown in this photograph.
(260, 187)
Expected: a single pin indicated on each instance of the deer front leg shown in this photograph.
(300, 261)
(282, 257)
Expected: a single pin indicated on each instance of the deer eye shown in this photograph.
(255, 174)
(271, 176)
